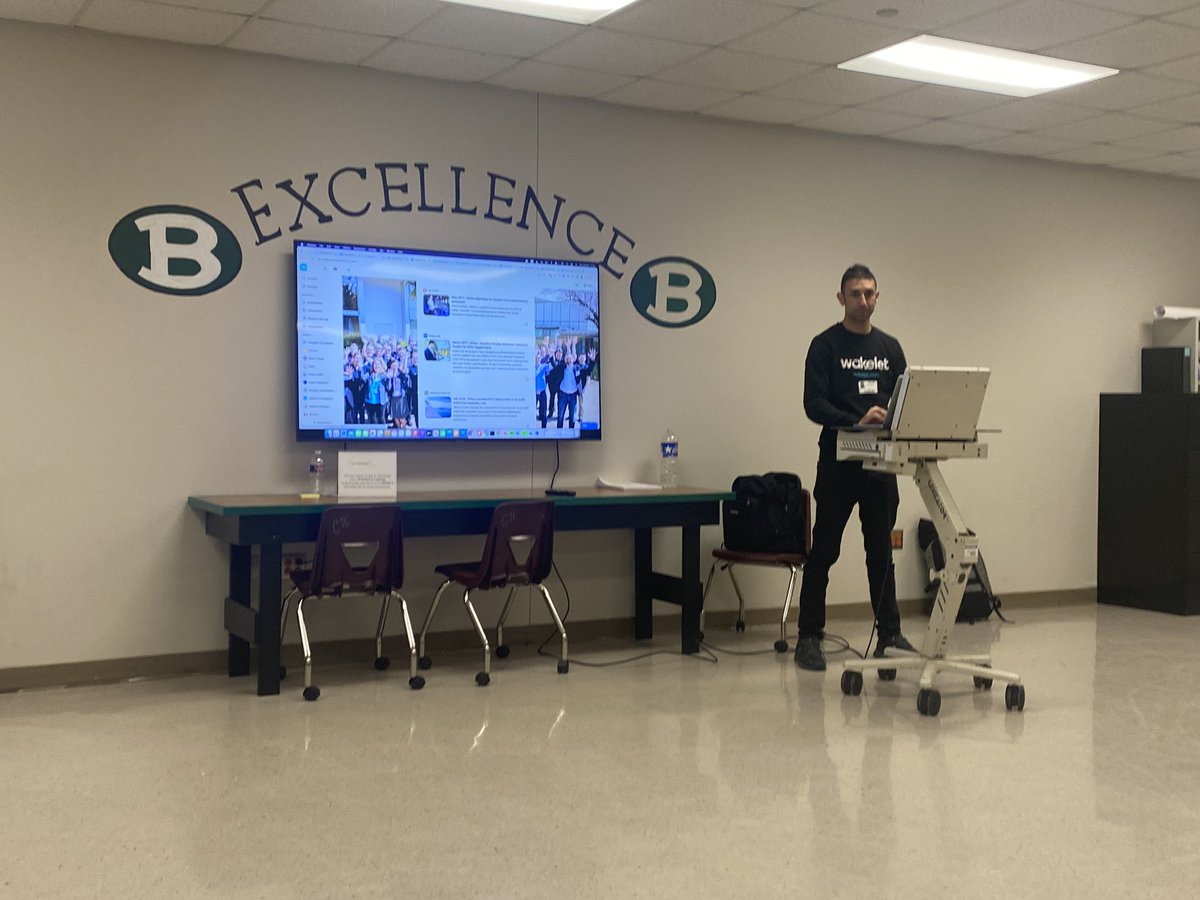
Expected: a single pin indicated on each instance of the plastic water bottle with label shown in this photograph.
(670, 459)
(316, 473)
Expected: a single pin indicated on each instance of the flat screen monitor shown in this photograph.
(396, 344)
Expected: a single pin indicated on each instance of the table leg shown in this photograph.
(239, 592)
(690, 595)
(270, 596)
(643, 599)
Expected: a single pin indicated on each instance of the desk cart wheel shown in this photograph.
(739, 625)
(781, 646)
(282, 672)
(1014, 697)
(564, 666)
(312, 692)
(887, 674)
(482, 678)
(382, 662)
(983, 683)
(929, 702)
(502, 651)
(424, 663)
(416, 682)
(852, 683)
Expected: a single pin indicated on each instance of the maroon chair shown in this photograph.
(360, 549)
(519, 550)
(727, 559)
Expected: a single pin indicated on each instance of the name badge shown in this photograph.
(868, 387)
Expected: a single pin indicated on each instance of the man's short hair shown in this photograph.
(858, 270)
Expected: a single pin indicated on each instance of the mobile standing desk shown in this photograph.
(268, 521)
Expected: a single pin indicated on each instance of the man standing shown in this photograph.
(849, 375)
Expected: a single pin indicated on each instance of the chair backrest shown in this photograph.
(520, 545)
(359, 548)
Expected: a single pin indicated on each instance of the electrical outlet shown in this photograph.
(897, 539)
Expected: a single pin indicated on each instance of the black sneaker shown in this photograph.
(899, 641)
(809, 655)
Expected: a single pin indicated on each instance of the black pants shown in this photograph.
(840, 486)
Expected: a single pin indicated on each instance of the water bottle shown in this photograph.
(316, 473)
(670, 459)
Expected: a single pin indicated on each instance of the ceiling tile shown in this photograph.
(811, 37)
(1106, 128)
(708, 22)
(1163, 165)
(1188, 17)
(937, 102)
(1186, 69)
(438, 62)
(51, 12)
(950, 134)
(839, 87)
(620, 53)
(166, 23)
(1181, 109)
(1124, 90)
(488, 31)
(1142, 44)
(732, 71)
(385, 17)
(1098, 154)
(1140, 7)
(240, 7)
(305, 42)
(1026, 114)
(1027, 145)
(916, 15)
(546, 78)
(1036, 24)
(1178, 140)
(862, 121)
(661, 95)
(757, 108)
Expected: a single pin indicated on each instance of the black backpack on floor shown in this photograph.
(979, 601)
(767, 516)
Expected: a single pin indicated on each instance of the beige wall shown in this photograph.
(121, 401)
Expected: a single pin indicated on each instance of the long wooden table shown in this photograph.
(268, 521)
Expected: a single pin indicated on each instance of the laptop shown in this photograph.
(939, 403)
(896, 401)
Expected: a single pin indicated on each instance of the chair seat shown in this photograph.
(760, 559)
(465, 572)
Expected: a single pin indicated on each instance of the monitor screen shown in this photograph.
(418, 345)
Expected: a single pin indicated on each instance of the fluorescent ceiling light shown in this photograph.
(581, 12)
(959, 64)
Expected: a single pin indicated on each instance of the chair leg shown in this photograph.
(501, 647)
(781, 645)
(415, 681)
(284, 606)
(311, 691)
(564, 663)
(704, 596)
(381, 661)
(283, 613)
(424, 661)
(481, 678)
(737, 589)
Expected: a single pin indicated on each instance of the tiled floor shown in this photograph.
(667, 777)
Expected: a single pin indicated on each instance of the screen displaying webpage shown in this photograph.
(396, 344)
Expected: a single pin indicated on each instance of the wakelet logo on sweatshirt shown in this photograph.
(862, 364)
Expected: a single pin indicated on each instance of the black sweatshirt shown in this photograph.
(846, 374)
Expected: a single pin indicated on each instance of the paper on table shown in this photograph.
(627, 485)
(1176, 312)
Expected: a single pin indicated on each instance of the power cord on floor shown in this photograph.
(702, 657)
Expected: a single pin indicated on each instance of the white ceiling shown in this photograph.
(755, 60)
